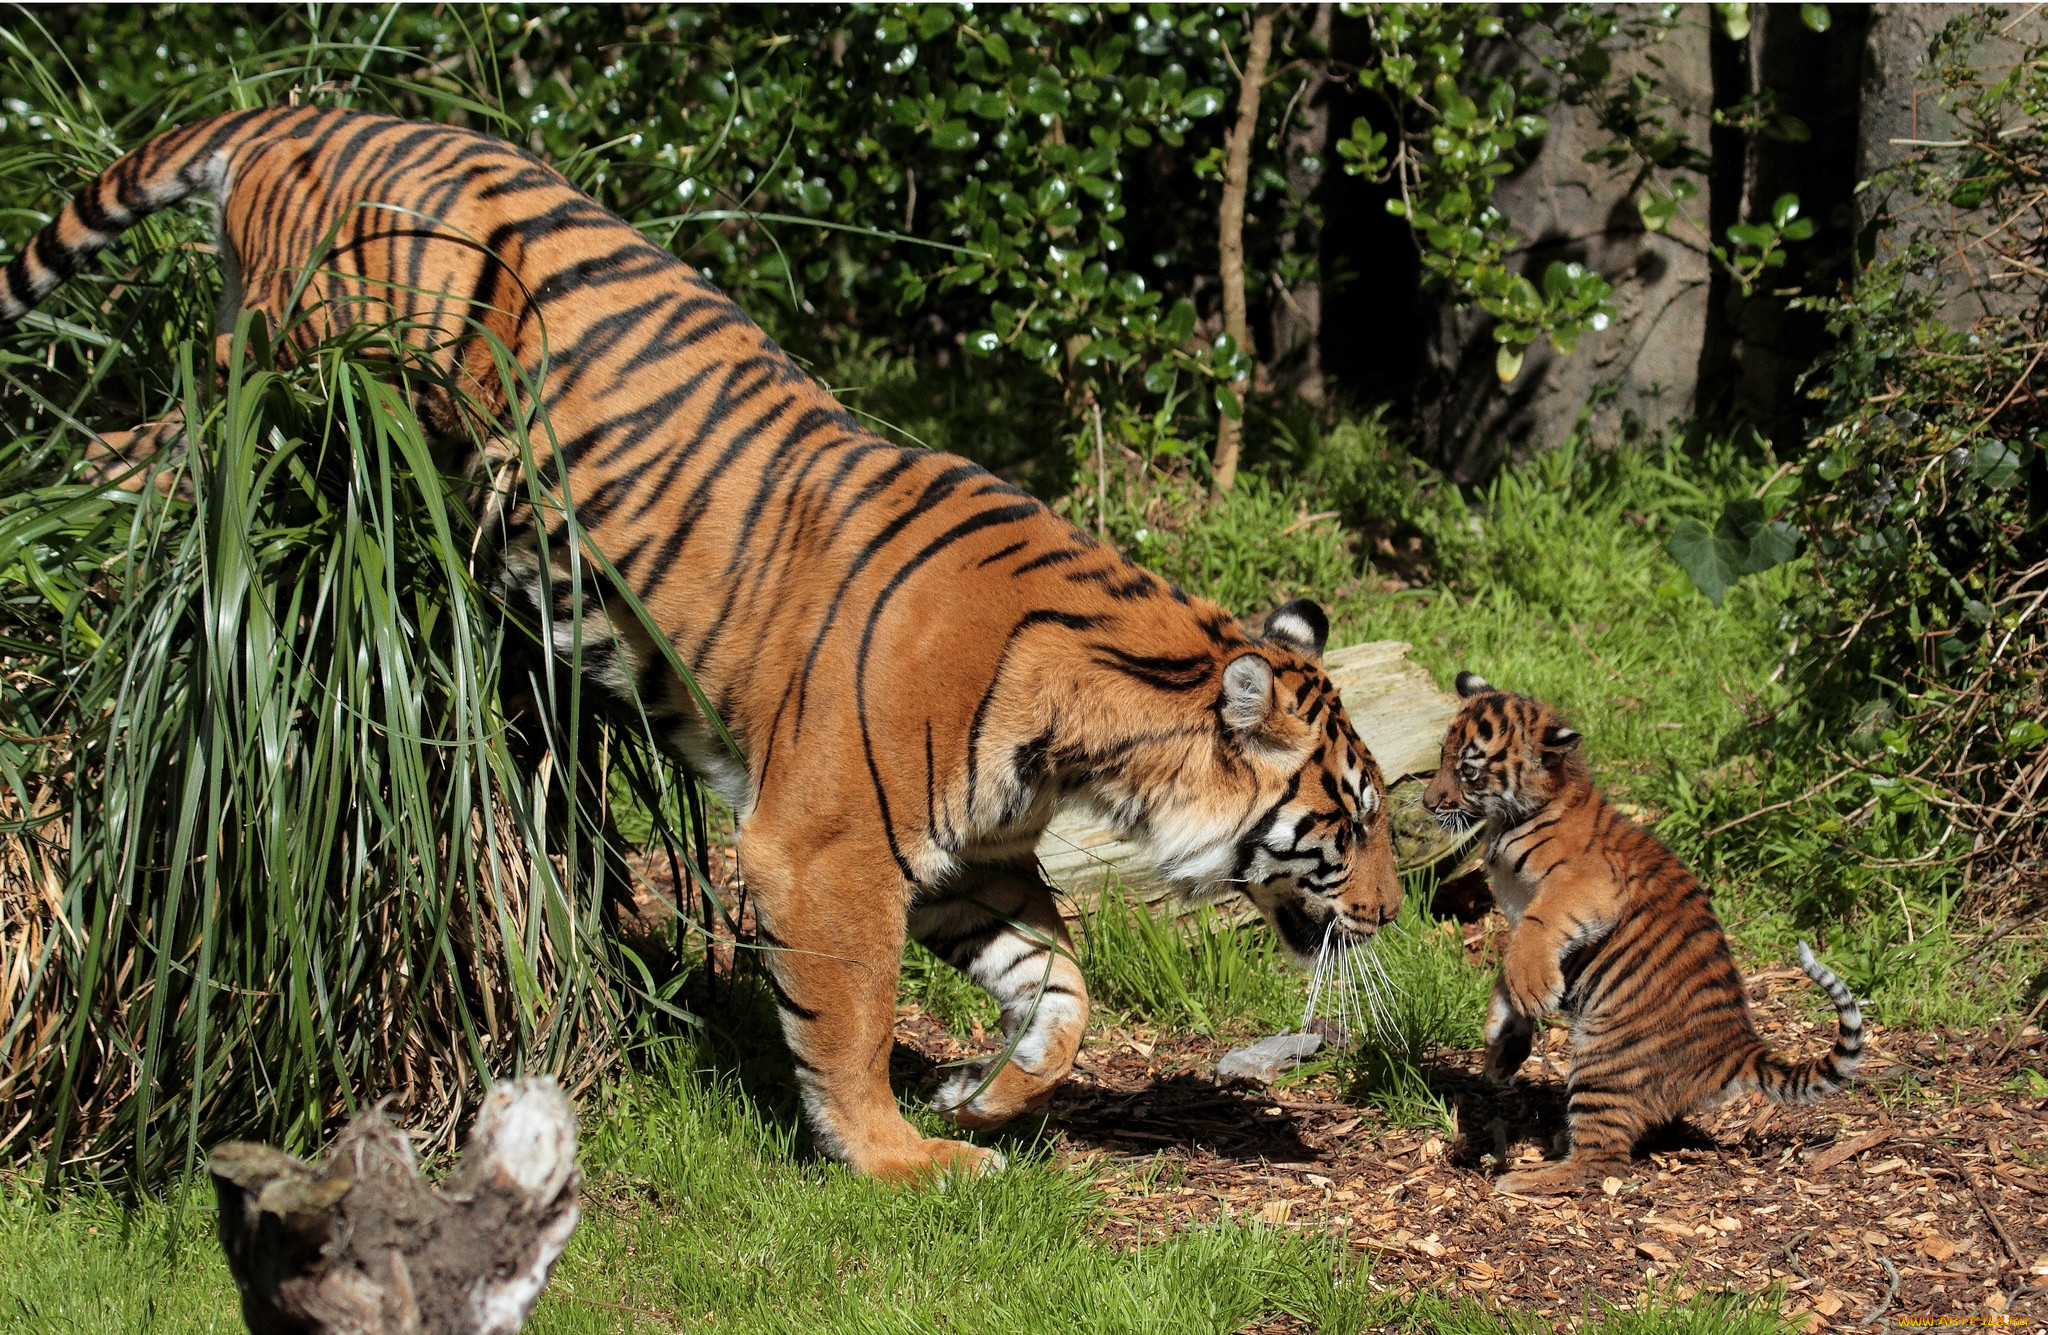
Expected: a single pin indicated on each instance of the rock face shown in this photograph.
(1638, 374)
(1901, 115)
(359, 1245)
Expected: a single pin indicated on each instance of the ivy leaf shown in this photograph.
(954, 134)
(1201, 102)
(1996, 464)
(1507, 364)
(1742, 542)
(1693, 547)
(1816, 17)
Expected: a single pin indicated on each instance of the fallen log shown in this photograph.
(1397, 710)
(358, 1245)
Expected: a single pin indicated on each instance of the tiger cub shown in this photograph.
(1613, 930)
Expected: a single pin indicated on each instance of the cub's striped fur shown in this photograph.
(919, 662)
(1610, 927)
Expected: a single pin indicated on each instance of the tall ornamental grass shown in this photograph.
(292, 816)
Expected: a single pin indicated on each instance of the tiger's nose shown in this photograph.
(1365, 921)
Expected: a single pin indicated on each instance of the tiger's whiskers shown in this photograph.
(1350, 990)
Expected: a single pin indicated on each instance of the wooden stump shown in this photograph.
(358, 1245)
(1398, 712)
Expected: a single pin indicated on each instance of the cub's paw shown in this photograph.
(1504, 1057)
(1557, 1179)
(1533, 982)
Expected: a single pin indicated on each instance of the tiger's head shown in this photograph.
(1505, 757)
(1282, 802)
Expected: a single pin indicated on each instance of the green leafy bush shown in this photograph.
(1925, 500)
(278, 839)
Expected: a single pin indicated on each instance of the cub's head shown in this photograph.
(1505, 757)
(1302, 801)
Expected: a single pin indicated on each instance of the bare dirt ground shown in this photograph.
(1932, 1169)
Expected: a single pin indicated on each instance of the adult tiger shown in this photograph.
(918, 662)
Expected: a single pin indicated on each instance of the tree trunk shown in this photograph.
(1237, 171)
(1898, 115)
(1637, 376)
(1758, 345)
(1297, 312)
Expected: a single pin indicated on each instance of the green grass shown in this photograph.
(1559, 587)
(703, 1210)
(1438, 1001)
(1203, 971)
(944, 993)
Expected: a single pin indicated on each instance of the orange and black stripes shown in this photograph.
(1612, 930)
(918, 662)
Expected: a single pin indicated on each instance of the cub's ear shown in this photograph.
(1559, 740)
(1300, 625)
(1247, 693)
(1471, 684)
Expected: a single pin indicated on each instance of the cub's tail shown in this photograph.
(175, 166)
(1808, 1081)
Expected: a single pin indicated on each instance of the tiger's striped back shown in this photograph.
(1611, 929)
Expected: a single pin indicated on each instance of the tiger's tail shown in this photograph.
(174, 166)
(1809, 1081)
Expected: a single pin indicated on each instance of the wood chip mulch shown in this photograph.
(1933, 1168)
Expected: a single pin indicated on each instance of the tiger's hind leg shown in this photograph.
(1605, 1125)
(1000, 927)
(833, 928)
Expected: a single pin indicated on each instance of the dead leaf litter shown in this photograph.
(1933, 1168)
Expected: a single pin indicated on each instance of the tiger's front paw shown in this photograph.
(1533, 981)
(1553, 1179)
(933, 1162)
(974, 1100)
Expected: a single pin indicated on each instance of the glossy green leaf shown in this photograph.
(1743, 541)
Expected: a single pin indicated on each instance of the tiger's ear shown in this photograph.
(1471, 684)
(1559, 741)
(1247, 693)
(1300, 625)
